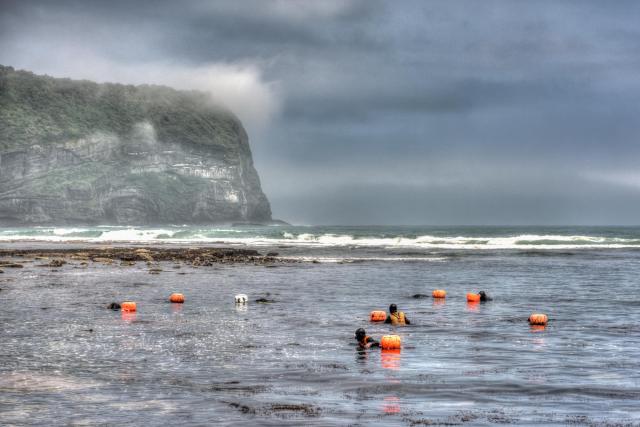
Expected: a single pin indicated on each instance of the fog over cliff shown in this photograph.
(437, 112)
(76, 152)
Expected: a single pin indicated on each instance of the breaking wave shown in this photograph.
(317, 237)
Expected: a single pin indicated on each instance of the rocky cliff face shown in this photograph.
(77, 152)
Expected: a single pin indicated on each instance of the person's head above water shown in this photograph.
(484, 296)
(360, 334)
(396, 317)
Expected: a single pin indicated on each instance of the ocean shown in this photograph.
(392, 240)
(66, 359)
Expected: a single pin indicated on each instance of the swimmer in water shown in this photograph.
(396, 317)
(484, 296)
(365, 341)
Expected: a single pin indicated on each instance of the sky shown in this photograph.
(386, 112)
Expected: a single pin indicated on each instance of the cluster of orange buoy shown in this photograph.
(393, 342)
(131, 306)
(441, 293)
(535, 319)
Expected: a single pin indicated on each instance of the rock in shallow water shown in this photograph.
(10, 264)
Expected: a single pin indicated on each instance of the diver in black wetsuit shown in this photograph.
(484, 297)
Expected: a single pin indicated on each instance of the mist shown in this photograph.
(373, 112)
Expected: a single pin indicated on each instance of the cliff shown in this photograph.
(78, 152)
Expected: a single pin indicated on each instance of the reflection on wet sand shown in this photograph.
(391, 405)
(390, 359)
(30, 382)
(473, 306)
(128, 316)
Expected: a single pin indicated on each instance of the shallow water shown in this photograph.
(294, 361)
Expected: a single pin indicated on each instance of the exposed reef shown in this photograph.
(10, 258)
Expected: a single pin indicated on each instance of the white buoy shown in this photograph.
(241, 299)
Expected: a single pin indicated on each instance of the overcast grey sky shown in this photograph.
(398, 112)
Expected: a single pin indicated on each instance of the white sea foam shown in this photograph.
(186, 235)
(335, 260)
(66, 231)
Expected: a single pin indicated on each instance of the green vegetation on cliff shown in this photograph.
(43, 109)
(82, 152)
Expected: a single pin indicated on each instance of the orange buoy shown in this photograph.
(177, 298)
(538, 319)
(390, 342)
(439, 293)
(378, 316)
(473, 297)
(128, 306)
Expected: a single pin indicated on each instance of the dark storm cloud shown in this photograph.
(199, 31)
(413, 112)
(457, 96)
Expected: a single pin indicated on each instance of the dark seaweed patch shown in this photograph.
(51, 285)
(242, 408)
(237, 387)
(453, 420)
(306, 410)
(136, 284)
(281, 410)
